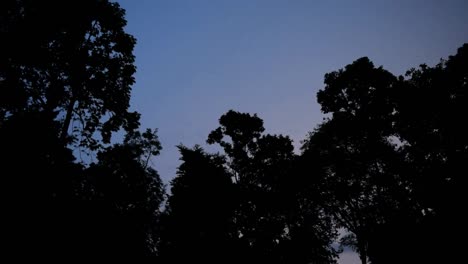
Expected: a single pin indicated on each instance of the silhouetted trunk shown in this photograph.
(363, 258)
(66, 123)
(362, 251)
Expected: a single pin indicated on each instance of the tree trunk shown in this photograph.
(68, 117)
(363, 253)
(363, 259)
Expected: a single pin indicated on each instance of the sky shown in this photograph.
(197, 59)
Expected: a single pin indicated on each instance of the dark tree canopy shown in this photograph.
(387, 164)
(270, 218)
(71, 60)
(66, 70)
(126, 195)
(391, 157)
(433, 132)
(198, 221)
(359, 162)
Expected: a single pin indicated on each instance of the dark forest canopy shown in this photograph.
(387, 165)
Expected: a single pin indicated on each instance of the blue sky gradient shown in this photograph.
(197, 59)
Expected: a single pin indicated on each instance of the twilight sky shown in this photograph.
(197, 59)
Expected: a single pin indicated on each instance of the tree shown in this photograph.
(360, 165)
(431, 106)
(433, 132)
(38, 183)
(198, 221)
(73, 61)
(272, 222)
(66, 71)
(123, 196)
(360, 184)
(390, 158)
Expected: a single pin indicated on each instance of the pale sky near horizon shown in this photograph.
(197, 59)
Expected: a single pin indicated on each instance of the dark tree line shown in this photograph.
(66, 71)
(387, 165)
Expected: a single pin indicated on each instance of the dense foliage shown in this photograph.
(386, 166)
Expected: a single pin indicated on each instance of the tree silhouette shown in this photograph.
(73, 61)
(360, 165)
(37, 184)
(390, 158)
(387, 164)
(198, 220)
(125, 196)
(434, 144)
(429, 109)
(268, 220)
(65, 73)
